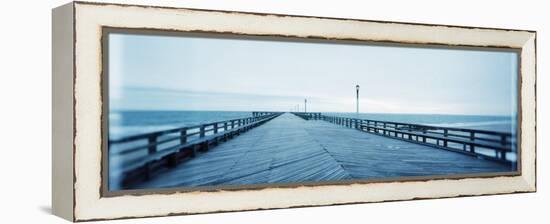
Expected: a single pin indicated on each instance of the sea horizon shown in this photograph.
(288, 111)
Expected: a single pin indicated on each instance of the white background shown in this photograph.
(25, 114)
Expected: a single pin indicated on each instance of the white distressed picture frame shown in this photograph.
(77, 104)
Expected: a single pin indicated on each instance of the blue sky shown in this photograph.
(193, 73)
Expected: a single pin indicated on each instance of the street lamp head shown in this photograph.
(357, 87)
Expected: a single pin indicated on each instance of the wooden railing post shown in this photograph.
(445, 134)
(503, 139)
(472, 138)
(232, 124)
(183, 136)
(152, 141)
(202, 134)
(215, 128)
(503, 142)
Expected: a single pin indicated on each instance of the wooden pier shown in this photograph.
(290, 148)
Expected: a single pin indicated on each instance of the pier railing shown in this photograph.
(136, 158)
(308, 116)
(491, 145)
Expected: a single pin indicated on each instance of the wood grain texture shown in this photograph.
(289, 149)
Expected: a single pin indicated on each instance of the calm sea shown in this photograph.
(126, 123)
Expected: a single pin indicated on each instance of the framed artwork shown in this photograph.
(163, 111)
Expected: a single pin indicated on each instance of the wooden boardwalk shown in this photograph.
(289, 149)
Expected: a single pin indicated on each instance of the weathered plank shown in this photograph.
(289, 149)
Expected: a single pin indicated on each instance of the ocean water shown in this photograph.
(126, 123)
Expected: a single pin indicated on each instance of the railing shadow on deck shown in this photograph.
(490, 145)
(136, 158)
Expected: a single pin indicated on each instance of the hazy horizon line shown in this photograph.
(352, 112)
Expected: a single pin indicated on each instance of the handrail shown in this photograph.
(173, 130)
(308, 115)
(468, 140)
(140, 155)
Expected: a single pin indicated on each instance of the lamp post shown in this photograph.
(357, 102)
(305, 105)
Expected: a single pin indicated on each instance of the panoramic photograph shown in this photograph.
(197, 110)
